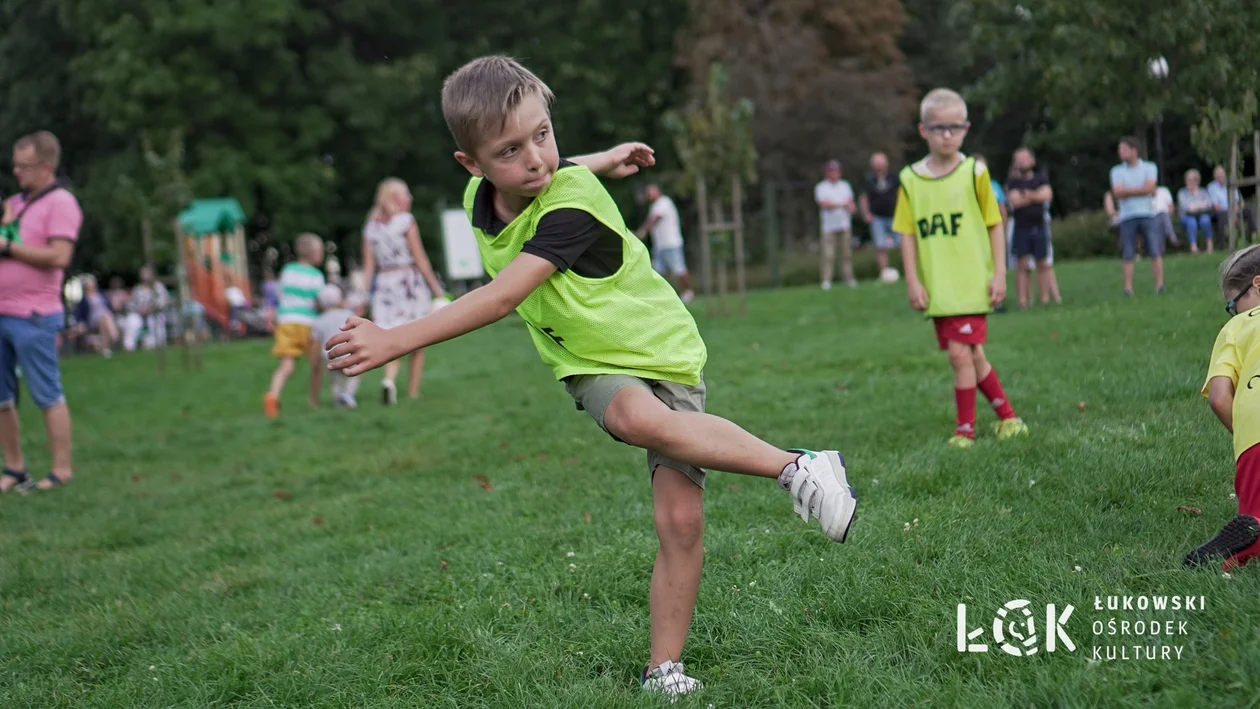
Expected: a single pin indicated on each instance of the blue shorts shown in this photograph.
(882, 235)
(1151, 230)
(1030, 240)
(31, 343)
(670, 259)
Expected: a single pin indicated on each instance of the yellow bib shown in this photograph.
(631, 322)
(952, 242)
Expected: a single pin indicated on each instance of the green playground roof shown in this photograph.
(211, 216)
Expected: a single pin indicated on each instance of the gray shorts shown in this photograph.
(593, 393)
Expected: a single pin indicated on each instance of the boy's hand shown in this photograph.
(626, 159)
(917, 294)
(361, 346)
(997, 290)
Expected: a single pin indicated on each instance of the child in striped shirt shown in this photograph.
(300, 283)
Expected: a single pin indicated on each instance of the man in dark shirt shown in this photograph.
(1028, 194)
(878, 201)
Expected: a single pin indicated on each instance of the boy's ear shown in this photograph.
(923, 133)
(469, 163)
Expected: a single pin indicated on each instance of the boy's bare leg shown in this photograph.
(1022, 287)
(980, 364)
(678, 511)
(1127, 271)
(1157, 271)
(281, 376)
(962, 360)
(637, 417)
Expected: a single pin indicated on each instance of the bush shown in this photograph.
(1083, 235)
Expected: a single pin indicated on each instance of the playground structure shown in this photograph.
(212, 256)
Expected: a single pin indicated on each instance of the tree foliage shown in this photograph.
(298, 108)
(827, 76)
(1108, 66)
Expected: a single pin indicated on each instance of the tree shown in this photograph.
(713, 137)
(827, 76)
(1107, 67)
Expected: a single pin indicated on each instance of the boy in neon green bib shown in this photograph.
(611, 328)
(953, 252)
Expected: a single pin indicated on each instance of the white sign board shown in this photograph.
(463, 260)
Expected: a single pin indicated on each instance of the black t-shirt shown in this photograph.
(1032, 214)
(881, 195)
(568, 238)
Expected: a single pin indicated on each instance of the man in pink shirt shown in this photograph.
(33, 260)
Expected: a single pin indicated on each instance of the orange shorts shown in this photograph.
(292, 340)
(967, 329)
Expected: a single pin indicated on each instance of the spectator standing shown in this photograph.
(32, 270)
(1133, 184)
(835, 203)
(878, 204)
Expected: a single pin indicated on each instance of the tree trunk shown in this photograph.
(737, 221)
(1230, 186)
(706, 251)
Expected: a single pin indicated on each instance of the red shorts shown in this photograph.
(967, 329)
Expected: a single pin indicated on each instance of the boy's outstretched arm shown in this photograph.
(1221, 399)
(362, 345)
(620, 161)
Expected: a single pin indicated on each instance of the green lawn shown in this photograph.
(207, 557)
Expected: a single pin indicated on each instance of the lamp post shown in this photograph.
(1158, 69)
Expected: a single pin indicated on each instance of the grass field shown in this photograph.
(207, 557)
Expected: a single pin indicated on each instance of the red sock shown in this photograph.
(965, 399)
(992, 389)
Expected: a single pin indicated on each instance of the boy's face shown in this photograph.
(521, 159)
(315, 253)
(944, 130)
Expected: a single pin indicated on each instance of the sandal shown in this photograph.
(53, 482)
(19, 476)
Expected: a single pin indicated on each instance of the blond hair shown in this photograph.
(388, 187)
(938, 100)
(1239, 270)
(308, 245)
(47, 147)
(480, 96)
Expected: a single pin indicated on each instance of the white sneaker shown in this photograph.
(820, 489)
(669, 679)
(347, 401)
(389, 392)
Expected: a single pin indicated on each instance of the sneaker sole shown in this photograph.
(837, 462)
(1238, 534)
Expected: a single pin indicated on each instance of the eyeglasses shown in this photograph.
(947, 128)
(1232, 306)
(27, 166)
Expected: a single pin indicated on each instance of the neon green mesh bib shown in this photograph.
(955, 256)
(631, 322)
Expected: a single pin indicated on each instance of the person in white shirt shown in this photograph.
(1164, 210)
(667, 241)
(835, 202)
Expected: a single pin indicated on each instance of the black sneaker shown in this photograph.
(1237, 534)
